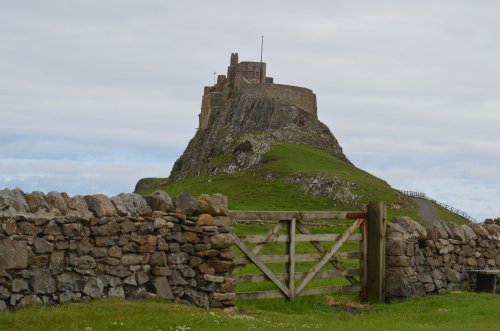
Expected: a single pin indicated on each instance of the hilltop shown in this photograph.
(263, 146)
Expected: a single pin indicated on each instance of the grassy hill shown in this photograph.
(269, 187)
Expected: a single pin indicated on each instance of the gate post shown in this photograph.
(375, 281)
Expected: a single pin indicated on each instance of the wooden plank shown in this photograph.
(321, 249)
(259, 295)
(364, 260)
(307, 291)
(263, 215)
(355, 215)
(269, 236)
(261, 266)
(300, 275)
(239, 260)
(328, 255)
(376, 252)
(288, 215)
(298, 238)
(323, 215)
(291, 262)
(329, 290)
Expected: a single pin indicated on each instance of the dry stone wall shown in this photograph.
(55, 248)
(432, 259)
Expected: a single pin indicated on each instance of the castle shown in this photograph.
(250, 77)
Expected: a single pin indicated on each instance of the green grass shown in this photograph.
(453, 311)
(250, 190)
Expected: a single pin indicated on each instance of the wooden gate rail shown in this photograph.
(291, 284)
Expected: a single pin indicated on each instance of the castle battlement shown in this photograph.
(251, 78)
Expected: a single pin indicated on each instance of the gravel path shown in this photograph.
(426, 210)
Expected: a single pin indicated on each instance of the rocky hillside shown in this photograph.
(239, 135)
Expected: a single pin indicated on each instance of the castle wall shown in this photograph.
(210, 103)
(253, 72)
(301, 97)
(55, 249)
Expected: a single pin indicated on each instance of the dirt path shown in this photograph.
(426, 210)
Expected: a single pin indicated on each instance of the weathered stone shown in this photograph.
(52, 229)
(42, 246)
(72, 229)
(132, 259)
(116, 292)
(119, 271)
(204, 219)
(457, 232)
(160, 200)
(424, 278)
(9, 227)
(161, 271)
(19, 285)
(85, 246)
(28, 229)
(221, 266)
(36, 202)
(398, 287)
(57, 261)
(453, 276)
(396, 246)
(105, 241)
(178, 258)
(110, 228)
(162, 244)
(100, 205)
(208, 253)
(215, 205)
(222, 240)
(84, 262)
(55, 200)
(177, 279)
(224, 296)
(93, 287)
(192, 237)
(29, 300)
(411, 227)
(69, 281)
(435, 261)
(187, 205)
(42, 281)
(131, 204)
(3, 305)
(4, 293)
(214, 279)
(13, 254)
(468, 232)
(158, 259)
(398, 261)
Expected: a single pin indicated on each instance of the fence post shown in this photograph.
(375, 282)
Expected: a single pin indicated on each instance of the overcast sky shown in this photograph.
(97, 94)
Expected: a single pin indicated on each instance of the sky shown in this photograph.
(97, 94)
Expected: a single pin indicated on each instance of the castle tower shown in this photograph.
(233, 64)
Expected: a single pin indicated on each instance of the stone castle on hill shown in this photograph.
(250, 77)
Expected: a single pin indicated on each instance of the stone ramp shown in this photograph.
(426, 210)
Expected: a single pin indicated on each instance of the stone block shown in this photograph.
(187, 205)
(222, 240)
(13, 254)
(100, 205)
(42, 281)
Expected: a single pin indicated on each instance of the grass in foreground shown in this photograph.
(455, 311)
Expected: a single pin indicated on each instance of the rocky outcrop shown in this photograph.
(436, 258)
(240, 134)
(55, 249)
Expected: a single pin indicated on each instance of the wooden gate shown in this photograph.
(291, 228)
